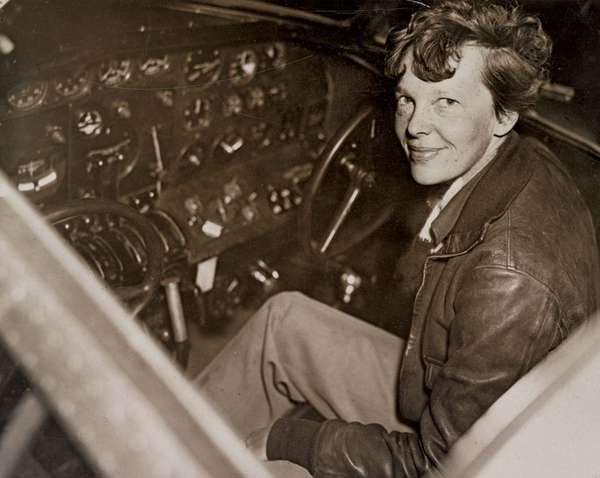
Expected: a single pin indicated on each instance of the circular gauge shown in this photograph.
(41, 173)
(232, 105)
(114, 72)
(27, 95)
(203, 67)
(119, 149)
(89, 123)
(243, 68)
(197, 114)
(155, 65)
(73, 85)
(275, 53)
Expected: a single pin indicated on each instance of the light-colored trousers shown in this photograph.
(296, 350)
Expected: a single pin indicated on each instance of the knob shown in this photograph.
(350, 282)
(265, 275)
(249, 212)
(123, 109)
(232, 190)
(193, 205)
(56, 135)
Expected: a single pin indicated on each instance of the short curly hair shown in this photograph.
(518, 49)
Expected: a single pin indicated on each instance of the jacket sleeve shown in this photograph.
(505, 322)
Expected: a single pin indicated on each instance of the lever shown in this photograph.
(180, 333)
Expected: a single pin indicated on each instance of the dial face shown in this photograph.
(27, 95)
(197, 114)
(89, 123)
(203, 67)
(40, 175)
(34, 170)
(275, 53)
(152, 66)
(114, 72)
(121, 154)
(243, 68)
(73, 85)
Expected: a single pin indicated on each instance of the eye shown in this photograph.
(403, 101)
(447, 102)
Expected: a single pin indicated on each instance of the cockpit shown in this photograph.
(200, 157)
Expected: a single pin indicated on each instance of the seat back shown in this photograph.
(585, 169)
(582, 162)
(545, 425)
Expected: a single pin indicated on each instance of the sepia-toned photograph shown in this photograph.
(299, 238)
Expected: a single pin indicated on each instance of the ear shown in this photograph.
(505, 123)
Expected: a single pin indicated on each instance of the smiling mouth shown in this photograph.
(422, 154)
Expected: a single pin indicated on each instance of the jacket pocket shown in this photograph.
(433, 367)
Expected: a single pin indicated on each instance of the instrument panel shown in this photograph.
(198, 68)
(210, 134)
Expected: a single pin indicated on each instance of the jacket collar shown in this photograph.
(485, 198)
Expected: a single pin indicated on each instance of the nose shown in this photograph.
(420, 121)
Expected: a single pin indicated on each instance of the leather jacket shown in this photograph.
(518, 270)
